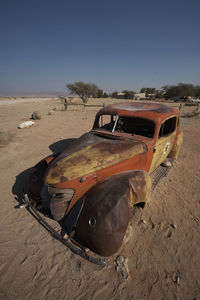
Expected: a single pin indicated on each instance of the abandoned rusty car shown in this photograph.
(90, 186)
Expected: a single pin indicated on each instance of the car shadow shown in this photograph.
(20, 186)
(61, 145)
(21, 181)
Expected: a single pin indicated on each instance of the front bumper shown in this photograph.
(70, 243)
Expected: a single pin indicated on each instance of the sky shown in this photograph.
(118, 45)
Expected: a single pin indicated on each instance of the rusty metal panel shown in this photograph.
(153, 111)
(100, 155)
(105, 214)
(176, 148)
(140, 190)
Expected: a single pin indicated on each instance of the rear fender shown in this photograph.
(140, 187)
(176, 148)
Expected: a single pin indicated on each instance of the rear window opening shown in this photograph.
(131, 125)
(167, 127)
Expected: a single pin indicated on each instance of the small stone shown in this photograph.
(23, 205)
(26, 124)
(167, 164)
(169, 234)
(119, 259)
(121, 266)
(36, 115)
(173, 226)
(177, 279)
(66, 236)
(143, 221)
(52, 112)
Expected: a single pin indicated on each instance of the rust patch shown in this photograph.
(105, 215)
(92, 158)
(153, 111)
(63, 179)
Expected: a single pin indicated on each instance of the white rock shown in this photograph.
(121, 266)
(167, 163)
(177, 280)
(26, 124)
(143, 221)
(173, 226)
(52, 112)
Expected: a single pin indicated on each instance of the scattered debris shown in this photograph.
(36, 115)
(169, 233)
(167, 164)
(26, 124)
(52, 112)
(142, 222)
(121, 266)
(128, 234)
(173, 226)
(23, 205)
(177, 280)
(152, 224)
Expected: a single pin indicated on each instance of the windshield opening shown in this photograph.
(131, 125)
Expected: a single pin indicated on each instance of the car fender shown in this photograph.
(106, 210)
(176, 148)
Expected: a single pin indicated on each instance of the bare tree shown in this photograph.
(83, 90)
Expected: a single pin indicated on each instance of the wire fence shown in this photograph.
(96, 104)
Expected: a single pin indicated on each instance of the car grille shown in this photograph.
(56, 200)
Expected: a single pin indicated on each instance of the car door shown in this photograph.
(164, 143)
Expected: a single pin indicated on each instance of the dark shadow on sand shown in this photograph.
(21, 182)
(61, 145)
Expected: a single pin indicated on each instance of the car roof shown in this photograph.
(156, 112)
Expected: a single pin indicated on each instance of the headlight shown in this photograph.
(60, 199)
(61, 193)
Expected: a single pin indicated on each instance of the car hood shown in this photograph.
(91, 153)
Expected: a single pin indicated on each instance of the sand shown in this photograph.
(160, 256)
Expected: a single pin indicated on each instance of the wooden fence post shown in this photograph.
(65, 104)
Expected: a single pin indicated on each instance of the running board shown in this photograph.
(159, 173)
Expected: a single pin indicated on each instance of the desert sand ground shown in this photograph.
(162, 246)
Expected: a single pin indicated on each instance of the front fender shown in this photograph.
(106, 211)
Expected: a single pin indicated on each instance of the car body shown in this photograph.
(92, 184)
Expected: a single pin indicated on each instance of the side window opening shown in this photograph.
(167, 127)
(107, 122)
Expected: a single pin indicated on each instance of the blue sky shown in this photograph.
(118, 45)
